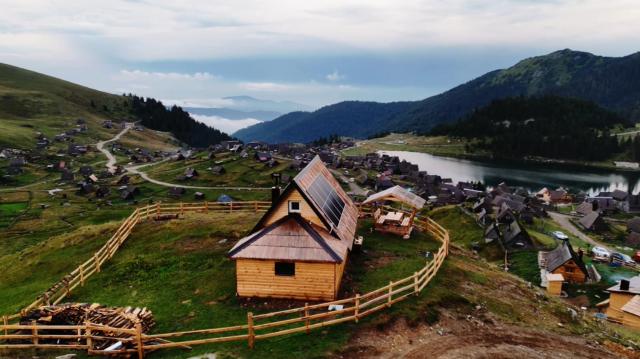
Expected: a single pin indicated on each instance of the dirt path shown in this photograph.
(137, 170)
(111, 159)
(564, 221)
(454, 337)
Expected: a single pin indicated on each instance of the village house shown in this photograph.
(623, 305)
(593, 222)
(300, 247)
(515, 237)
(565, 261)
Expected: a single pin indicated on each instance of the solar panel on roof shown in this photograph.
(327, 199)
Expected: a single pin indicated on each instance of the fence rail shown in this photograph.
(258, 327)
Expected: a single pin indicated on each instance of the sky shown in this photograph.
(311, 52)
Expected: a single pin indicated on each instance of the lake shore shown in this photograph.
(446, 147)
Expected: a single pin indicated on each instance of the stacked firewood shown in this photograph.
(96, 314)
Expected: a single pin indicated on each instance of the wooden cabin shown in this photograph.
(623, 305)
(396, 222)
(565, 261)
(300, 246)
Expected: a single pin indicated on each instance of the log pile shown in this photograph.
(96, 314)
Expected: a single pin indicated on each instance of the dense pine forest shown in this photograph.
(155, 115)
(547, 126)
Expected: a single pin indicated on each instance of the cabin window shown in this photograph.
(287, 269)
(294, 206)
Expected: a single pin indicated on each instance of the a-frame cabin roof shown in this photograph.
(328, 200)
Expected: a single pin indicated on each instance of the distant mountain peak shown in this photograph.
(610, 82)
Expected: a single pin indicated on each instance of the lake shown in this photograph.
(527, 175)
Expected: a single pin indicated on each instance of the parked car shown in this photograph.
(618, 259)
(600, 252)
(559, 235)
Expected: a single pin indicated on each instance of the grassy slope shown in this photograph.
(243, 172)
(179, 270)
(31, 102)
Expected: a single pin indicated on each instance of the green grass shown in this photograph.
(8, 211)
(524, 264)
(465, 232)
(240, 172)
(31, 102)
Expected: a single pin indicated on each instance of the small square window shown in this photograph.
(294, 206)
(285, 269)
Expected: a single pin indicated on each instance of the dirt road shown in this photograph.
(136, 170)
(111, 159)
(564, 221)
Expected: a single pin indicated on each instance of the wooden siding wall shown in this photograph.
(305, 210)
(571, 272)
(616, 302)
(339, 268)
(312, 281)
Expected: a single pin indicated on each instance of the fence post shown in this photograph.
(181, 210)
(34, 332)
(82, 276)
(251, 337)
(96, 261)
(306, 317)
(416, 287)
(147, 215)
(46, 298)
(158, 210)
(230, 207)
(206, 206)
(5, 321)
(87, 333)
(389, 295)
(357, 312)
(255, 205)
(139, 340)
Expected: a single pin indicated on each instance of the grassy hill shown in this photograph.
(179, 269)
(31, 102)
(610, 82)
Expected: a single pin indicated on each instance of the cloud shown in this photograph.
(136, 74)
(334, 76)
(265, 86)
(225, 124)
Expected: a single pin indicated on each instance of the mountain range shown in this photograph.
(611, 82)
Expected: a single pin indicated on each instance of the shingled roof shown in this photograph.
(293, 239)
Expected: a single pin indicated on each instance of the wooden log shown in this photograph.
(251, 334)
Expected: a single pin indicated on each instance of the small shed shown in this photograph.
(397, 222)
(554, 284)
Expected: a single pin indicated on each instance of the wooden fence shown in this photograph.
(257, 327)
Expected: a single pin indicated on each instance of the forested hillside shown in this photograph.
(351, 118)
(611, 82)
(155, 115)
(548, 126)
